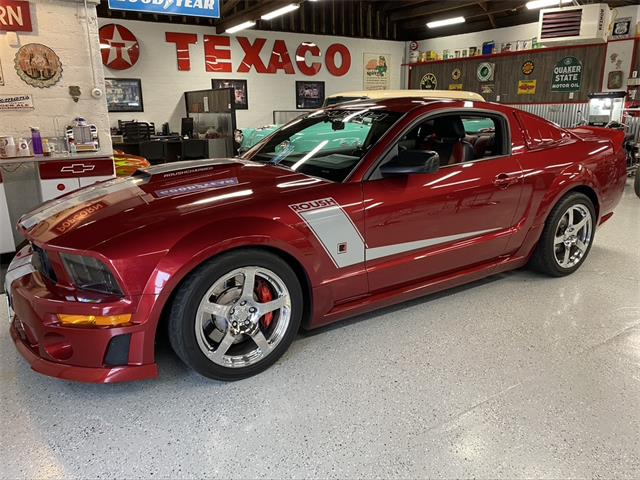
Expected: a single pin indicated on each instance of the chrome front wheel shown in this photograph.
(243, 317)
(236, 314)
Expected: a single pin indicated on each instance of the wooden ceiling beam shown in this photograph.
(228, 6)
(483, 6)
(430, 9)
(252, 13)
(472, 13)
(397, 5)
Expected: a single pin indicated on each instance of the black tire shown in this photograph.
(636, 182)
(181, 324)
(543, 259)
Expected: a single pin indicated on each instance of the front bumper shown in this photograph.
(97, 355)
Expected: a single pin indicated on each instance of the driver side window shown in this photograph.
(456, 138)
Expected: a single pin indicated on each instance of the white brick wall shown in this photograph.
(163, 85)
(61, 25)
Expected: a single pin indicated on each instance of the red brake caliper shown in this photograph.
(263, 292)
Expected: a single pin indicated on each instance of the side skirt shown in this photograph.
(404, 293)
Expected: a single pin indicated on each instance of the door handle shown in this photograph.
(503, 180)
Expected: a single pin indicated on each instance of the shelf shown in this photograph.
(533, 51)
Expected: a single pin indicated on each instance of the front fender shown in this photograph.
(205, 243)
(218, 237)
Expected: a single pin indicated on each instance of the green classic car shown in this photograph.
(248, 137)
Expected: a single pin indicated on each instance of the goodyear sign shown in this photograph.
(192, 8)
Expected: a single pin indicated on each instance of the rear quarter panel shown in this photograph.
(550, 172)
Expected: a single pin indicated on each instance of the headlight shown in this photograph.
(90, 274)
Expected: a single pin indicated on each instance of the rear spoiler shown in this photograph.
(615, 136)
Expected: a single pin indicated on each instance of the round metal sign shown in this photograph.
(428, 82)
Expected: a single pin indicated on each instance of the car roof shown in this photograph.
(407, 104)
(426, 94)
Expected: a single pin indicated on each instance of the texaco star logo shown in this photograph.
(119, 47)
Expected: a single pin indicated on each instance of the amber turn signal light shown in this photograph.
(94, 320)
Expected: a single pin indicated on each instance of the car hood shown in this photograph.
(167, 193)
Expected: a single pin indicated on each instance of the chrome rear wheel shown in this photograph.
(567, 236)
(573, 236)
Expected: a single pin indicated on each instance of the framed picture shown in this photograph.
(124, 94)
(239, 89)
(309, 94)
(376, 71)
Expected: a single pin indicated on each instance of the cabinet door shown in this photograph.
(53, 188)
(6, 232)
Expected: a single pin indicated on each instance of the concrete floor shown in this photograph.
(517, 376)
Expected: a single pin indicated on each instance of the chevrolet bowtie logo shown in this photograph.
(77, 168)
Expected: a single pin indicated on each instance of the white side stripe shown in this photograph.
(332, 227)
(388, 250)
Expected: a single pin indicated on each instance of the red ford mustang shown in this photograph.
(340, 212)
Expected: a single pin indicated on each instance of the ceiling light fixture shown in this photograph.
(446, 21)
(280, 11)
(240, 26)
(534, 4)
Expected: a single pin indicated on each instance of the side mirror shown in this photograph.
(412, 161)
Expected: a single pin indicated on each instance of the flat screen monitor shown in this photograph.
(186, 128)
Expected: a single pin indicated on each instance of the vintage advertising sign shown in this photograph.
(38, 65)
(567, 75)
(16, 102)
(376, 71)
(528, 67)
(191, 8)
(119, 47)
(15, 16)
(455, 86)
(622, 28)
(429, 81)
(485, 72)
(264, 58)
(527, 87)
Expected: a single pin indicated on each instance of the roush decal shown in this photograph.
(196, 187)
(334, 229)
(343, 242)
(313, 204)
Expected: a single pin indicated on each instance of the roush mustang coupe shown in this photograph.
(233, 256)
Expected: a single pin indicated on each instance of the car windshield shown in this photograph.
(326, 143)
